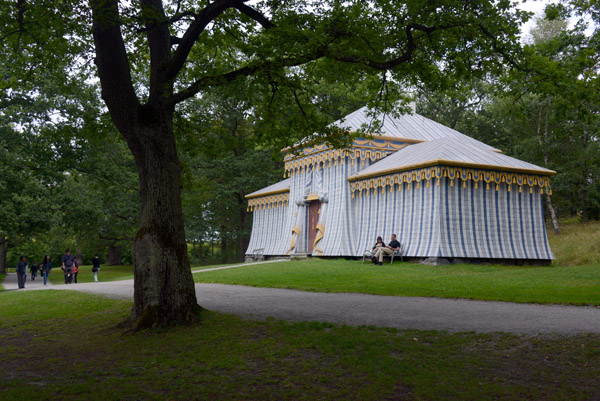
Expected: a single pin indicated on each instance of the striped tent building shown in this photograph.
(444, 194)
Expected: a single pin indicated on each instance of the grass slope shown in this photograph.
(63, 346)
(577, 244)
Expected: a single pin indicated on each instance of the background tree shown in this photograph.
(545, 111)
(153, 55)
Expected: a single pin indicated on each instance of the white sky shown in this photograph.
(536, 6)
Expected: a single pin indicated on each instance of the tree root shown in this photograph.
(155, 317)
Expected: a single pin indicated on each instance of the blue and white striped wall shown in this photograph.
(455, 222)
(430, 221)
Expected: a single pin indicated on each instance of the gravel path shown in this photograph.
(453, 315)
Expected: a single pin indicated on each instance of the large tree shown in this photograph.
(151, 55)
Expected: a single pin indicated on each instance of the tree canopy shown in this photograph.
(236, 78)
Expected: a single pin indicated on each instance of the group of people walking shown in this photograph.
(43, 268)
(70, 268)
(380, 249)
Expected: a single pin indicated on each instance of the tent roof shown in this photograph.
(448, 151)
(408, 126)
(281, 186)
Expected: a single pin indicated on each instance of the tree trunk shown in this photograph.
(193, 250)
(224, 249)
(114, 256)
(543, 140)
(243, 239)
(2, 254)
(164, 287)
(552, 214)
(79, 255)
(164, 290)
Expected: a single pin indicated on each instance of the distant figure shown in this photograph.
(75, 270)
(34, 270)
(22, 271)
(394, 245)
(378, 244)
(46, 267)
(95, 267)
(67, 266)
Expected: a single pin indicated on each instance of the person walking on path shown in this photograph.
(46, 267)
(95, 267)
(22, 271)
(34, 270)
(75, 270)
(67, 266)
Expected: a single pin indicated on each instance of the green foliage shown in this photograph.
(544, 111)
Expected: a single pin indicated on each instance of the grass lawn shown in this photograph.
(85, 275)
(577, 243)
(577, 285)
(107, 273)
(2, 276)
(66, 347)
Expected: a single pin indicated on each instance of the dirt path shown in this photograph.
(420, 313)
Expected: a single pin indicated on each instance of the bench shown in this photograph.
(256, 255)
(369, 254)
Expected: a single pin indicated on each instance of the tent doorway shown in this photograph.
(313, 219)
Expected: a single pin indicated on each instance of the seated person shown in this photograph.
(378, 244)
(393, 245)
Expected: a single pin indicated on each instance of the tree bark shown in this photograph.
(164, 290)
(552, 214)
(224, 248)
(114, 256)
(543, 140)
(2, 254)
(163, 283)
(243, 239)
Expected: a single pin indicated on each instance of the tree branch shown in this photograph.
(113, 65)
(206, 16)
(248, 70)
(172, 20)
(159, 41)
(255, 15)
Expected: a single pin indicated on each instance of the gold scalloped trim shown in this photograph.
(362, 149)
(427, 174)
(268, 202)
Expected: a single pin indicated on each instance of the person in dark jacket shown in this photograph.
(46, 267)
(95, 267)
(22, 271)
(67, 266)
(34, 270)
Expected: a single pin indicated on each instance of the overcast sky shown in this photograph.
(536, 6)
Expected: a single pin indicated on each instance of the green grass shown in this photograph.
(574, 278)
(2, 276)
(563, 285)
(85, 275)
(577, 244)
(67, 348)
